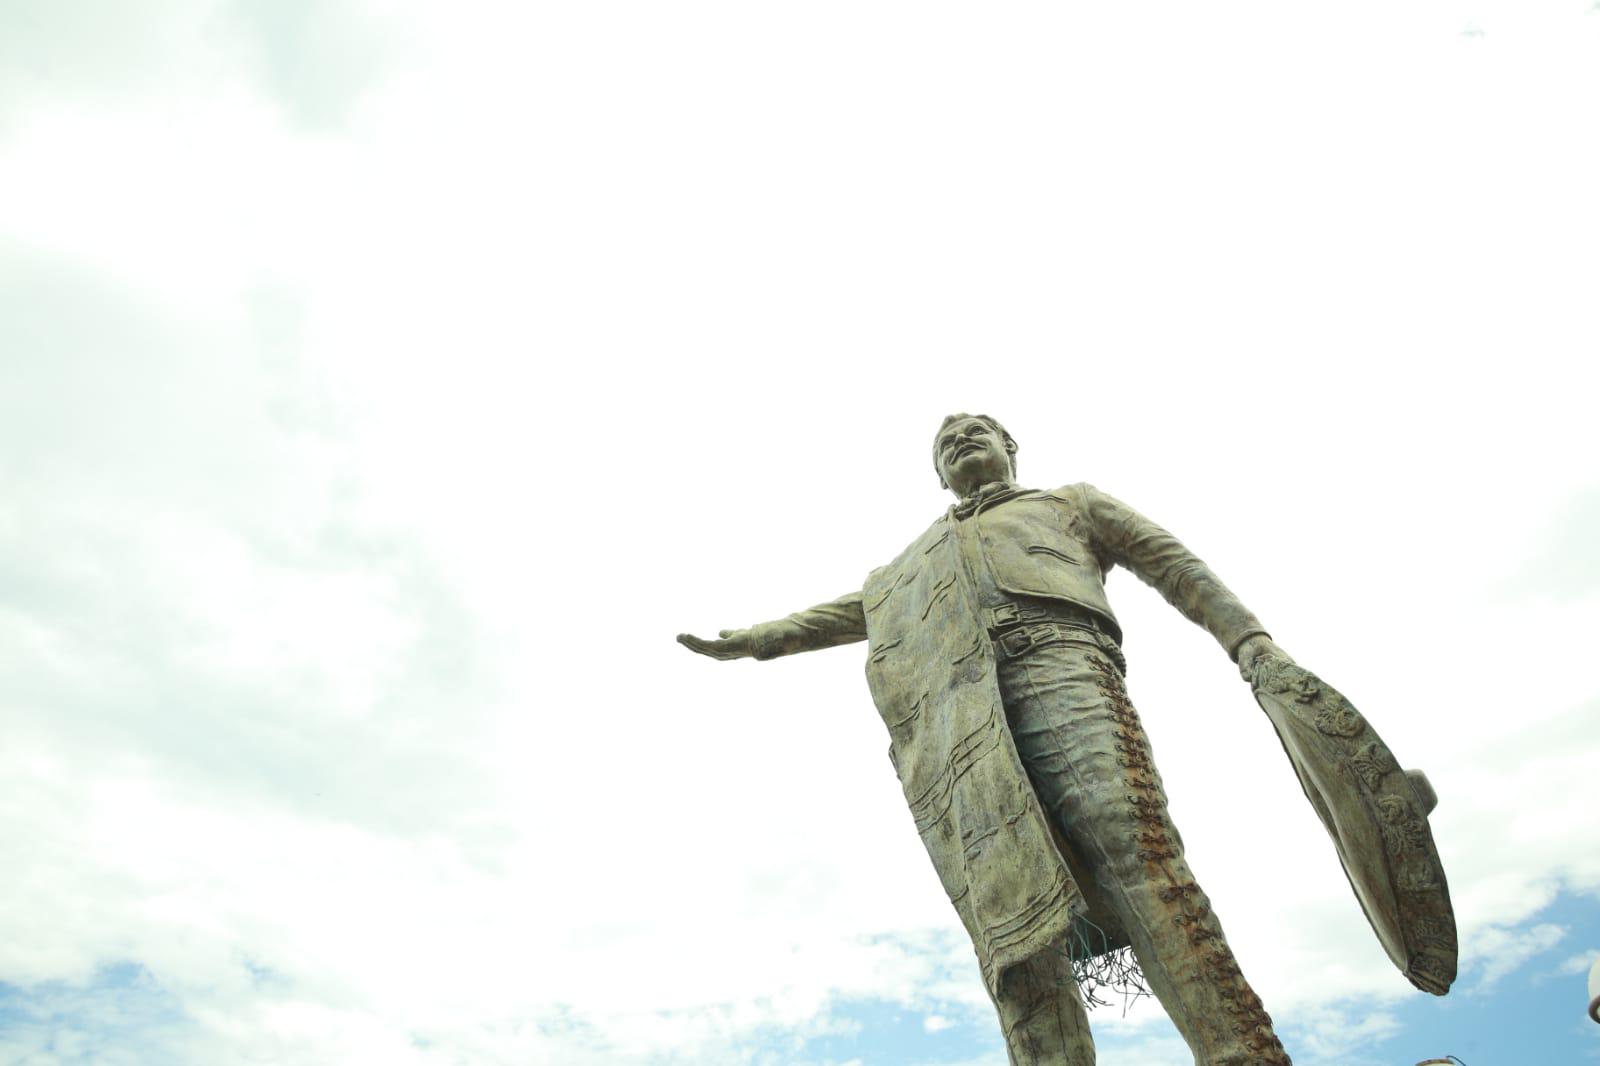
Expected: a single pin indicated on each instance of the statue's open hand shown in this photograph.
(735, 644)
(1252, 651)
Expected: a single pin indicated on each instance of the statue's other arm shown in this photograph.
(840, 621)
(1159, 559)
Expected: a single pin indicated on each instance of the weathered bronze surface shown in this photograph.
(995, 662)
(1376, 813)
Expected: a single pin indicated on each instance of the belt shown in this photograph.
(1016, 627)
(1009, 615)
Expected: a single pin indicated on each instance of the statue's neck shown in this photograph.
(988, 488)
(980, 496)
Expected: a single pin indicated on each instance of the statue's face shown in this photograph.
(971, 453)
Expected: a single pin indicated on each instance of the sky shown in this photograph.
(382, 386)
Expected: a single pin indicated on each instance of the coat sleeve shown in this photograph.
(840, 621)
(1159, 559)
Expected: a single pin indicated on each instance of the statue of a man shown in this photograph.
(995, 662)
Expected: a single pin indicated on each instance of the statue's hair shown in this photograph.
(1005, 438)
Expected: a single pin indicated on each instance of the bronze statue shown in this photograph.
(996, 664)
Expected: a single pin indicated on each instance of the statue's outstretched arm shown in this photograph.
(1160, 560)
(827, 625)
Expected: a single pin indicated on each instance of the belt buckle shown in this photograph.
(1004, 615)
(1017, 641)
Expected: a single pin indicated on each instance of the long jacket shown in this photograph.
(931, 669)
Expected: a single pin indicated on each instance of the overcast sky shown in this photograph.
(382, 387)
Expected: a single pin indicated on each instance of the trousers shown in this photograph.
(1090, 763)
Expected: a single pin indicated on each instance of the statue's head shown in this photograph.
(971, 450)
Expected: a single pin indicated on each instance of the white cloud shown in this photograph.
(1580, 963)
(1144, 1051)
(1501, 952)
(1337, 1033)
(359, 472)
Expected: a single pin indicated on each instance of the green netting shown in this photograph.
(1099, 968)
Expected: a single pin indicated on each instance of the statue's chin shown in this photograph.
(974, 476)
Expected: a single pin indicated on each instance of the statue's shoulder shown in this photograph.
(1072, 495)
(911, 558)
(1074, 507)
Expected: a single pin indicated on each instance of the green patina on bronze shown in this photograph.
(994, 660)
